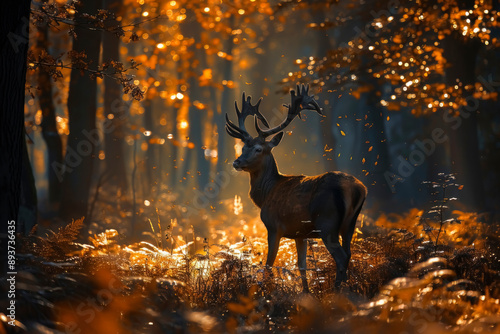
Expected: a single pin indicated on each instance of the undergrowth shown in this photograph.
(400, 280)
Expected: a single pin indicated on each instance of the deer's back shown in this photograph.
(296, 201)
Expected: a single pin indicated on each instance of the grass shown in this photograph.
(179, 278)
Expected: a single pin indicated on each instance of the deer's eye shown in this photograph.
(258, 149)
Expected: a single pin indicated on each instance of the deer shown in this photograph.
(297, 207)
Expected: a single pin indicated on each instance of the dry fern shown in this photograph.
(58, 244)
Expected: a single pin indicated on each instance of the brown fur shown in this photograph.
(297, 207)
(300, 207)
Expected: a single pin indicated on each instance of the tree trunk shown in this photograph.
(196, 135)
(151, 161)
(328, 124)
(462, 130)
(114, 107)
(83, 137)
(173, 153)
(49, 127)
(376, 155)
(192, 29)
(226, 103)
(14, 25)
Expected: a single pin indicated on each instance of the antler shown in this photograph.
(301, 101)
(247, 109)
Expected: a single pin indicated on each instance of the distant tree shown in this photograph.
(191, 69)
(190, 57)
(85, 24)
(82, 104)
(48, 124)
(418, 57)
(114, 106)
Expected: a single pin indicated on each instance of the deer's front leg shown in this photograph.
(301, 245)
(273, 243)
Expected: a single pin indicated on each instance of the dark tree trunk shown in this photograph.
(438, 161)
(49, 127)
(196, 117)
(226, 103)
(192, 29)
(83, 137)
(14, 25)
(328, 124)
(114, 107)
(376, 154)
(151, 161)
(463, 129)
(173, 152)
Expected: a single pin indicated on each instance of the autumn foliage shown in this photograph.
(177, 279)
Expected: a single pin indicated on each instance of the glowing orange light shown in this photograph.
(238, 148)
(183, 124)
(238, 206)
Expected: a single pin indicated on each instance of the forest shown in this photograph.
(130, 196)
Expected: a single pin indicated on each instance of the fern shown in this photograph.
(58, 244)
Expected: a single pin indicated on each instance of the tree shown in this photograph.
(421, 57)
(14, 25)
(191, 71)
(114, 106)
(49, 125)
(82, 99)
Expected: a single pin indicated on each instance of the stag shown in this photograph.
(298, 207)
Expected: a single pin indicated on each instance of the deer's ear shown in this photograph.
(276, 140)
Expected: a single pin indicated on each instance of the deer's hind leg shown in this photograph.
(329, 232)
(347, 231)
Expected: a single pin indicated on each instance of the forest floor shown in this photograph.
(407, 275)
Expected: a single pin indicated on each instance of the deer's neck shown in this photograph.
(262, 181)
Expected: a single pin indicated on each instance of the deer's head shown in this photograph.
(256, 150)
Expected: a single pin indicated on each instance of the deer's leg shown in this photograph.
(330, 235)
(348, 232)
(273, 242)
(301, 245)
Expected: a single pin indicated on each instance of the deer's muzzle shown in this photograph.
(237, 165)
